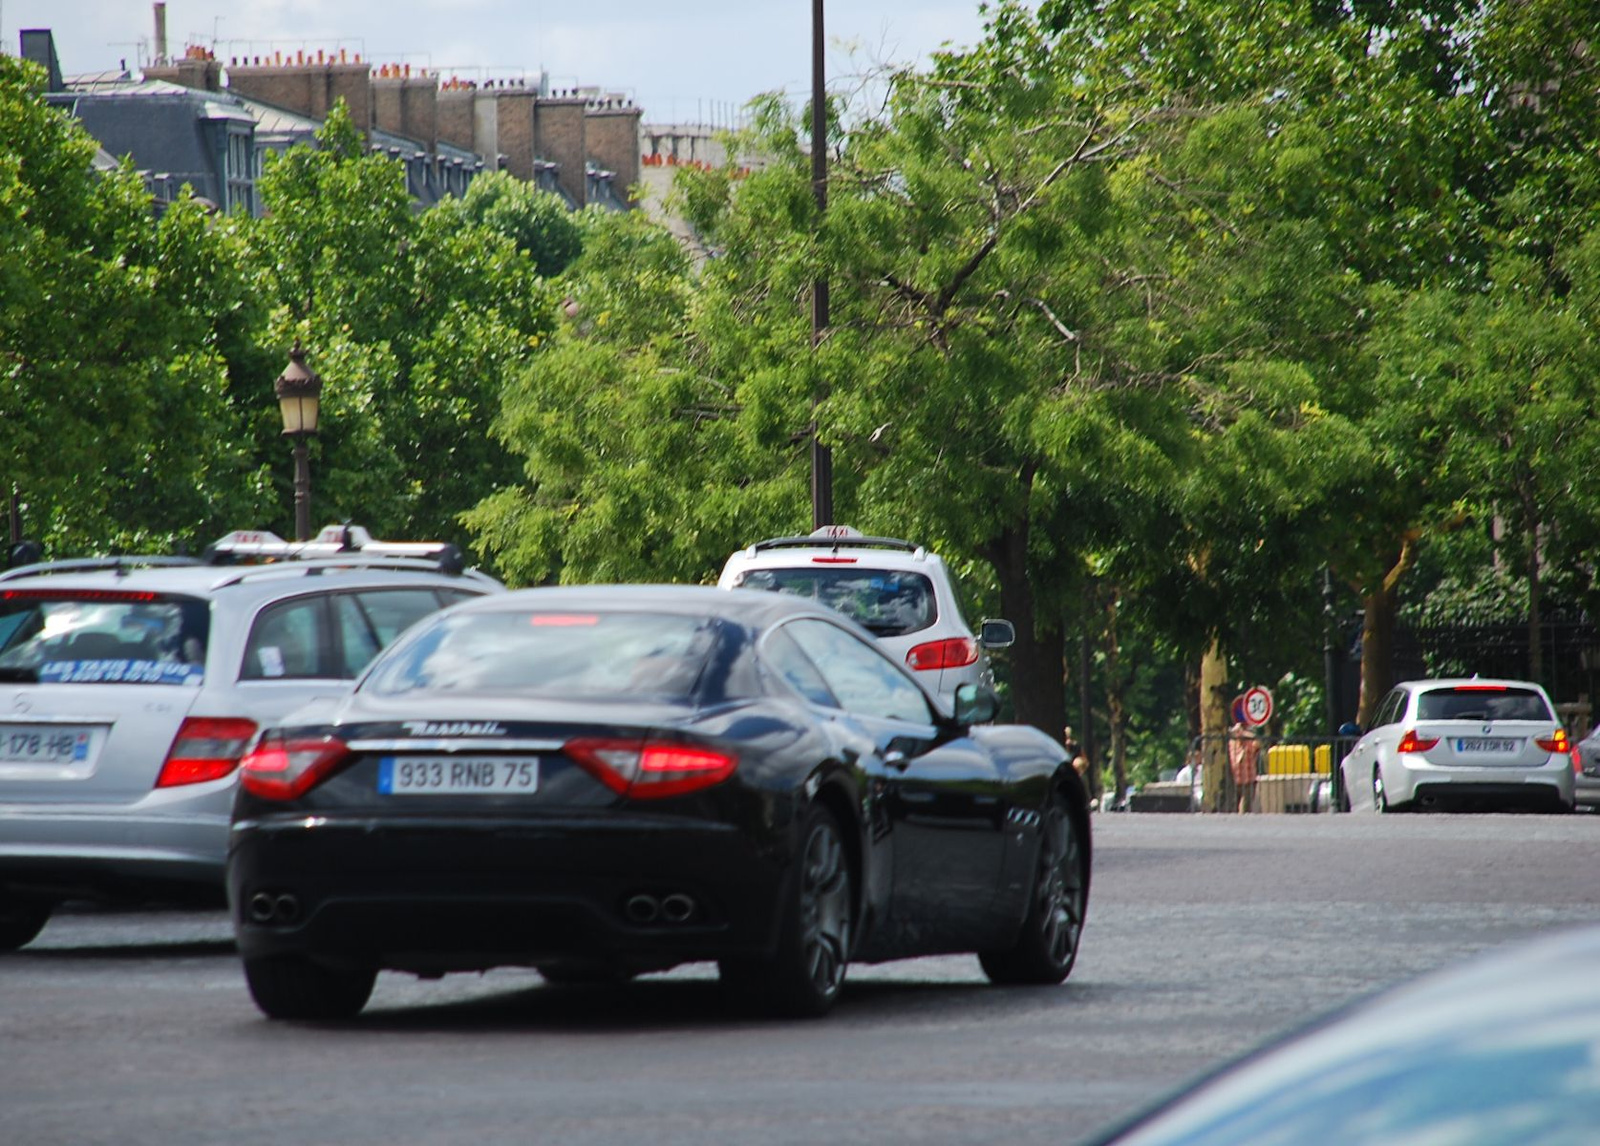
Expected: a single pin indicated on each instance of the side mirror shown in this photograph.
(1349, 728)
(997, 634)
(975, 705)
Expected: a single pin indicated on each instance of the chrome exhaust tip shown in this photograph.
(260, 907)
(286, 908)
(677, 908)
(642, 909)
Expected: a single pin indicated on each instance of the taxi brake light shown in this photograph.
(205, 748)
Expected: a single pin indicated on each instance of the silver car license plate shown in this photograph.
(1490, 745)
(456, 775)
(45, 744)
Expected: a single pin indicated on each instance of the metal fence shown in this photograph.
(1259, 773)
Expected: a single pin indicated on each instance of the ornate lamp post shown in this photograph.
(299, 391)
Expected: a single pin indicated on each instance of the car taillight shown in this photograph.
(1556, 742)
(206, 748)
(649, 770)
(286, 768)
(953, 652)
(1411, 742)
(1577, 760)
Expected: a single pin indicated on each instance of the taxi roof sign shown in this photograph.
(244, 546)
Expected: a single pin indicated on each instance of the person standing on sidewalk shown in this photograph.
(1244, 752)
(1080, 761)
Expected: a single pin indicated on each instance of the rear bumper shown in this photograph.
(441, 895)
(1546, 786)
(112, 854)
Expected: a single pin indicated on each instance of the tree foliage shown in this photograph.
(1143, 312)
(112, 390)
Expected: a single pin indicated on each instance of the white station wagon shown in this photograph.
(1468, 743)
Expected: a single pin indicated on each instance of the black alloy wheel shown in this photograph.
(806, 975)
(21, 920)
(293, 987)
(1047, 946)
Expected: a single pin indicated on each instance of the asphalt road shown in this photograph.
(1206, 936)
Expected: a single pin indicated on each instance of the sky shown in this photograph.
(694, 61)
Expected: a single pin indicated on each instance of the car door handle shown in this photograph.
(896, 759)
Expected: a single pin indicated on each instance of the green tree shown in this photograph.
(416, 322)
(537, 221)
(119, 416)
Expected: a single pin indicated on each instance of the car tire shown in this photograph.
(1047, 946)
(293, 987)
(21, 920)
(1380, 798)
(805, 976)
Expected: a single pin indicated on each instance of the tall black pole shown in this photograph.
(302, 490)
(1331, 676)
(1330, 654)
(821, 455)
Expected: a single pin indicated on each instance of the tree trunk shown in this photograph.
(1535, 621)
(1377, 652)
(1116, 705)
(1036, 691)
(1378, 612)
(1214, 726)
(1086, 716)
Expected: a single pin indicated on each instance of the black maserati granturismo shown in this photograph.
(604, 781)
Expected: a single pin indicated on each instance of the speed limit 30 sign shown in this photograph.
(1257, 706)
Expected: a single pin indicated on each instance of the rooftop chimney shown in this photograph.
(161, 31)
(39, 45)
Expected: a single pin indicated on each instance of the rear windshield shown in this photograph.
(102, 637)
(884, 602)
(568, 655)
(1482, 702)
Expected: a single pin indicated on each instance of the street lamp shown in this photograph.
(299, 391)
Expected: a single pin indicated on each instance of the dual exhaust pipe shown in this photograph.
(281, 909)
(268, 908)
(674, 908)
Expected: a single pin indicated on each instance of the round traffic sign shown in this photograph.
(1257, 706)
